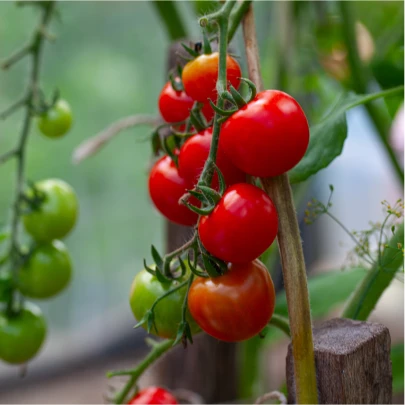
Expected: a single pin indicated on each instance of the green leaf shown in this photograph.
(397, 359)
(326, 291)
(327, 138)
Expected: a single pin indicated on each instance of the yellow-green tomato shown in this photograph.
(57, 214)
(56, 121)
(145, 290)
(47, 271)
(21, 334)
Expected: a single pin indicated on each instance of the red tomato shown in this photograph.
(193, 155)
(268, 136)
(165, 189)
(153, 395)
(242, 226)
(174, 106)
(235, 306)
(200, 76)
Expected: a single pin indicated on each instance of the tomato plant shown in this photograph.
(57, 213)
(166, 187)
(193, 155)
(145, 290)
(153, 395)
(268, 136)
(174, 106)
(242, 225)
(235, 306)
(46, 272)
(200, 76)
(56, 121)
(21, 334)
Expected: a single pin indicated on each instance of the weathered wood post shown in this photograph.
(352, 363)
(208, 367)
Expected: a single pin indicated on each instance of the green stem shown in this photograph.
(35, 50)
(158, 349)
(292, 257)
(361, 77)
(170, 16)
(236, 17)
(377, 280)
(281, 323)
(221, 17)
(375, 96)
(181, 249)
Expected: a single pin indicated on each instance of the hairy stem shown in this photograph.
(361, 76)
(292, 258)
(236, 17)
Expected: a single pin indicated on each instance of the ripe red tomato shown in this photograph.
(166, 187)
(153, 395)
(268, 136)
(235, 306)
(193, 155)
(200, 76)
(242, 226)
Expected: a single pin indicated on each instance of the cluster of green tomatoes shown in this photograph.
(42, 269)
(223, 288)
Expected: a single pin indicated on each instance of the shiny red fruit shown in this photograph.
(166, 187)
(200, 76)
(174, 106)
(193, 155)
(235, 306)
(242, 225)
(268, 136)
(153, 395)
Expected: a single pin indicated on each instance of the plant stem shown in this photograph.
(158, 349)
(221, 17)
(377, 280)
(170, 16)
(361, 76)
(281, 323)
(236, 17)
(35, 50)
(292, 258)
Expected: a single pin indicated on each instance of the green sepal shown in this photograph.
(206, 43)
(196, 120)
(156, 142)
(183, 267)
(190, 51)
(194, 269)
(225, 95)
(169, 146)
(238, 99)
(183, 334)
(222, 120)
(176, 84)
(160, 266)
(252, 88)
(210, 194)
(199, 211)
(220, 111)
(55, 97)
(199, 196)
(221, 180)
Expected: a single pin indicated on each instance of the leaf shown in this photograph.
(397, 359)
(326, 291)
(6, 286)
(327, 138)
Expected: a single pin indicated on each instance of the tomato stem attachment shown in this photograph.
(292, 258)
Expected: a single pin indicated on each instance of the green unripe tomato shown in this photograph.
(56, 121)
(145, 290)
(47, 271)
(56, 216)
(22, 334)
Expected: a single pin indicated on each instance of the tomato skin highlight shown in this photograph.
(242, 225)
(236, 306)
(193, 155)
(47, 271)
(57, 215)
(200, 76)
(174, 106)
(145, 289)
(153, 395)
(268, 136)
(166, 187)
(22, 334)
(57, 121)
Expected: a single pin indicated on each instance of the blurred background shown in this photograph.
(109, 62)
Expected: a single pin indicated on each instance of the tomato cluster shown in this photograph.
(49, 211)
(233, 300)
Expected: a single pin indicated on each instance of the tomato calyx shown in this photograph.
(32, 199)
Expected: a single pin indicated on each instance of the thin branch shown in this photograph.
(8, 155)
(292, 258)
(91, 146)
(16, 56)
(281, 323)
(14, 107)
